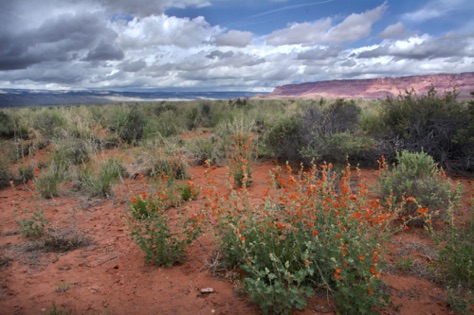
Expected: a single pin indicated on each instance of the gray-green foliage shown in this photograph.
(320, 131)
(417, 175)
(100, 183)
(429, 122)
(5, 174)
(33, 225)
(49, 180)
(127, 122)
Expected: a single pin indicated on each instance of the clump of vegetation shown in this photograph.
(5, 174)
(310, 234)
(418, 185)
(63, 240)
(149, 223)
(208, 149)
(72, 152)
(456, 260)
(7, 128)
(128, 124)
(431, 123)
(189, 191)
(283, 139)
(47, 182)
(100, 183)
(26, 173)
(320, 132)
(33, 225)
(240, 154)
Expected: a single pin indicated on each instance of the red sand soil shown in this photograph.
(109, 275)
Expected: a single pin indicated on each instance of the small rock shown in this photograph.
(207, 290)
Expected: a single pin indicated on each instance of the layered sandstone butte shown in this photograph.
(378, 88)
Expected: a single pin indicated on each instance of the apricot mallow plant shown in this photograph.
(312, 231)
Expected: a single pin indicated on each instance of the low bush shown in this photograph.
(308, 235)
(47, 180)
(456, 259)
(5, 174)
(172, 165)
(72, 152)
(207, 149)
(128, 123)
(7, 127)
(429, 123)
(32, 225)
(320, 132)
(100, 183)
(283, 139)
(26, 173)
(149, 224)
(240, 154)
(418, 185)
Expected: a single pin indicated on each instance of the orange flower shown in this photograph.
(279, 225)
(242, 238)
(410, 199)
(134, 200)
(315, 233)
(338, 235)
(307, 262)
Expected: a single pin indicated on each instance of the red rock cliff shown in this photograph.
(378, 88)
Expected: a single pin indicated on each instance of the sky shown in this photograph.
(228, 45)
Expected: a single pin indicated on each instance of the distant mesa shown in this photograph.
(377, 88)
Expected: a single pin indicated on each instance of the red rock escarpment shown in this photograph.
(378, 88)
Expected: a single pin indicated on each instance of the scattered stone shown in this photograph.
(207, 290)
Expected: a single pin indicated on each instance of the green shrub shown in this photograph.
(128, 123)
(26, 173)
(189, 191)
(207, 149)
(48, 180)
(427, 123)
(173, 166)
(34, 225)
(463, 141)
(49, 122)
(307, 235)
(283, 139)
(100, 184)
(337, 148)
(240, 154)
(150, 227)
(72, 152)
(456, 260)
(5, 174)
(7, 127)
(417, 183)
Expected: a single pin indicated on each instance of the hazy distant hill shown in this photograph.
(378, 88)
(17, 97)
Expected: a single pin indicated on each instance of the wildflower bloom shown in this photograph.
(315, 233)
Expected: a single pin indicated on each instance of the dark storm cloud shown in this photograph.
(132, 66)
(147, 7)
(61, 38)
(103, 52)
